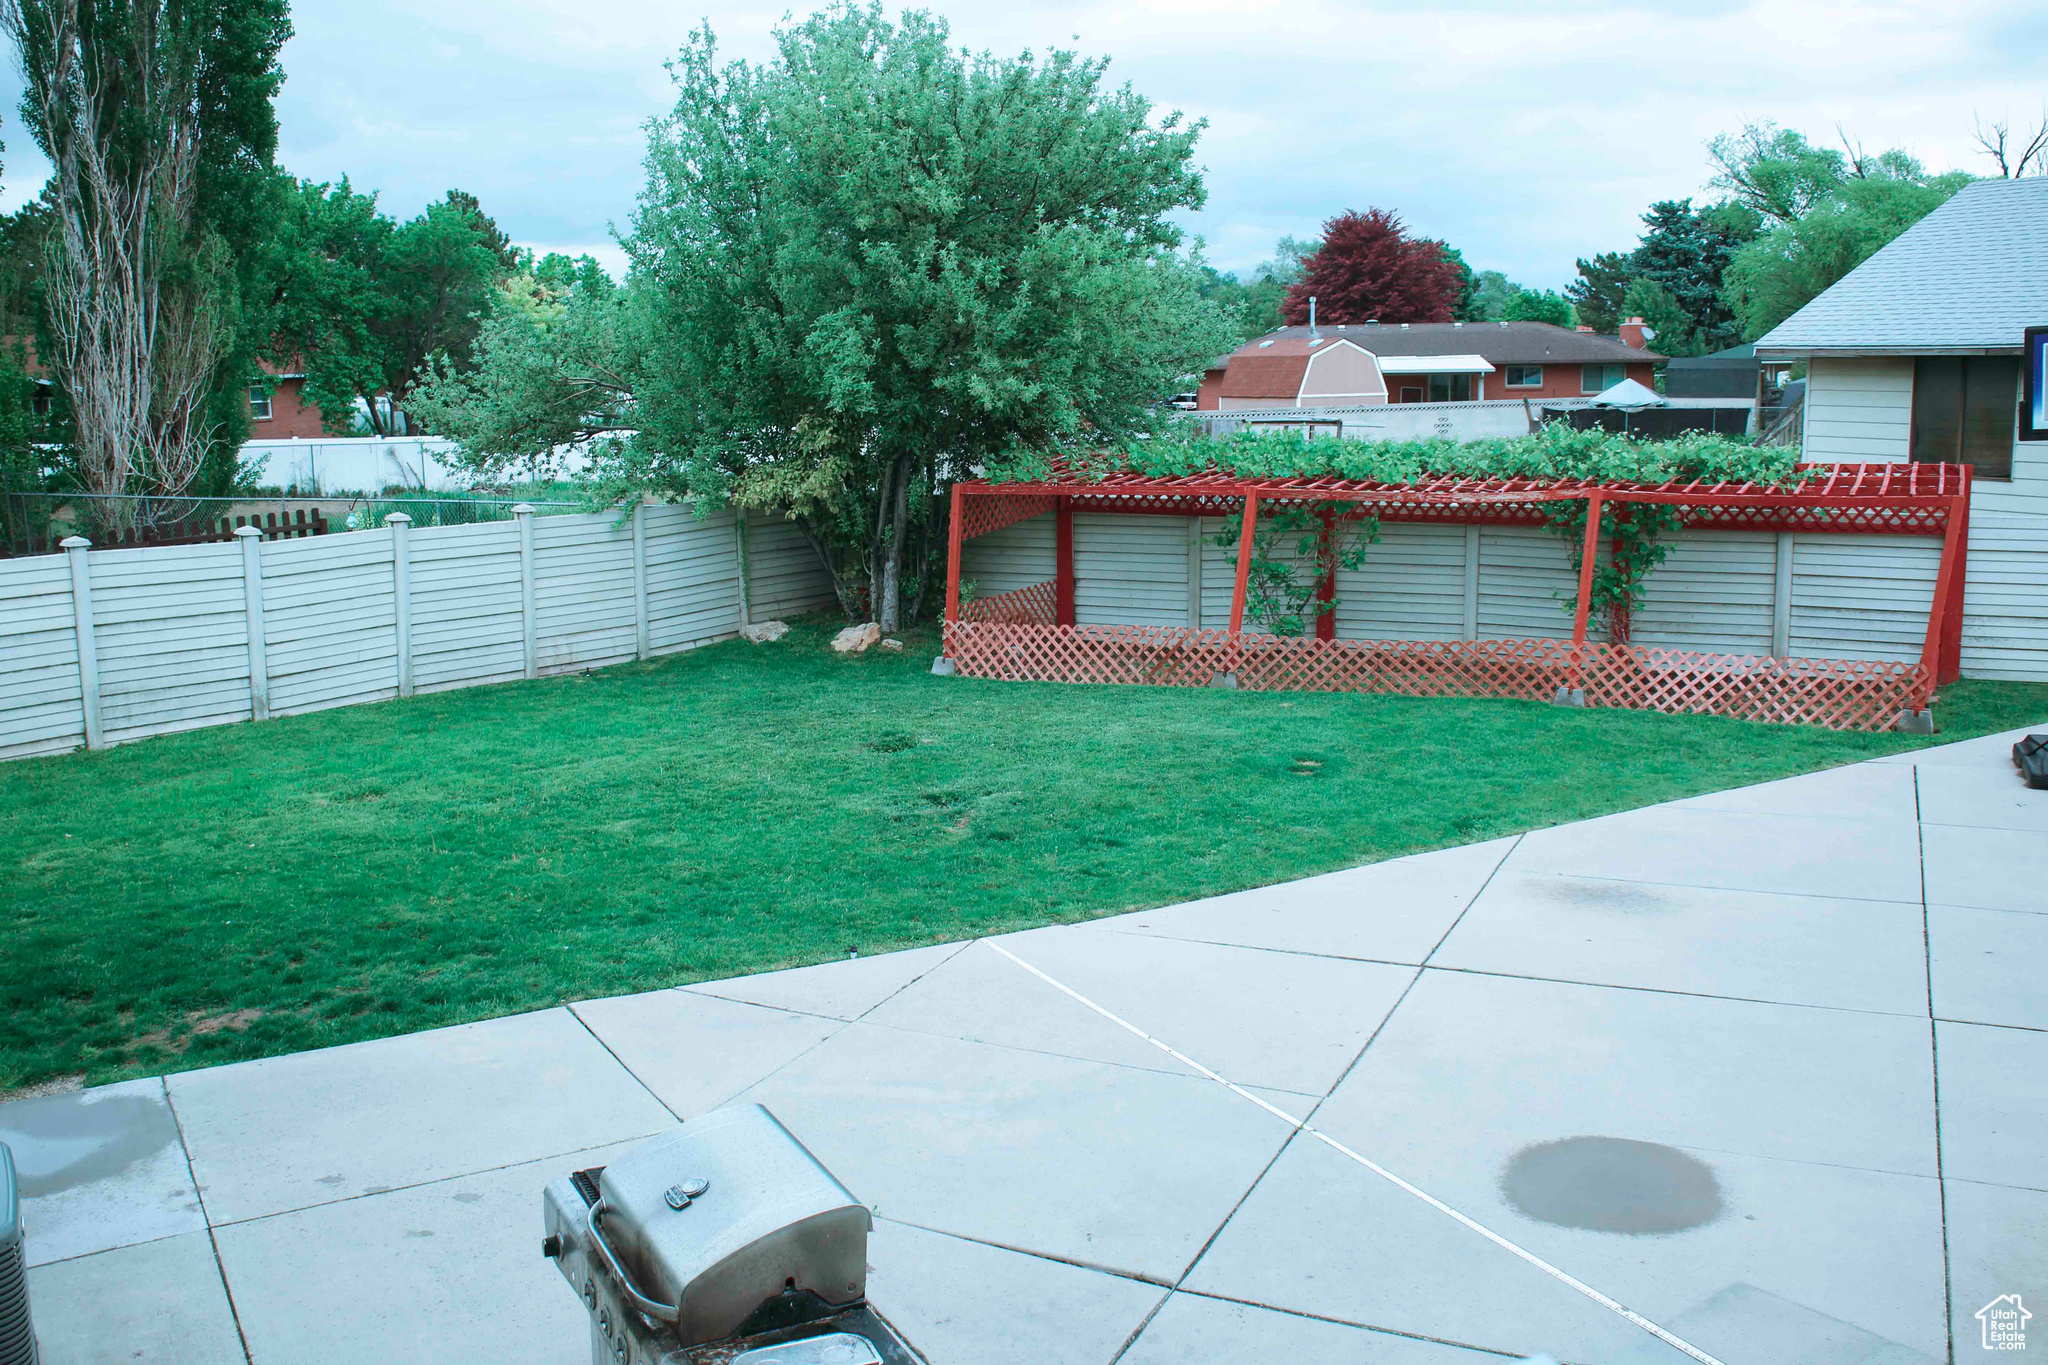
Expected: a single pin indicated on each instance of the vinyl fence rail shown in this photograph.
(99, 647)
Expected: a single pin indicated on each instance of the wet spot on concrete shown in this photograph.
(64, 1141)
(419, 1232)
(469, 1197)
(1609, 1184)
(1618, 897)
(332, 1180)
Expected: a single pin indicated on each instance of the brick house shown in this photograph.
(1364, 364)
(286, 413)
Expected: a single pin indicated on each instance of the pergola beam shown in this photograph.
(1244, 564)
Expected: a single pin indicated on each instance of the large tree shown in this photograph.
(1598, 291)
(863, 270)
(361, 303)
(1788, 267)
(157, 118)
(1687, 251)
(1369, 269)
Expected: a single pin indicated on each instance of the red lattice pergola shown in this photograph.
(1030, 634)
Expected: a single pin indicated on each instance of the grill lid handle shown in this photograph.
(653, 1308)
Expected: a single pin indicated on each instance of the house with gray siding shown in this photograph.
(1915, 356)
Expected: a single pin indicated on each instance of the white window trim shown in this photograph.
(265, 413)
(1603, 366)
(1526, 383)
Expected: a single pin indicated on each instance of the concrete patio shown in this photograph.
(1809, 1017)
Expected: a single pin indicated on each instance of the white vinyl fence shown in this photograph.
(102, 646)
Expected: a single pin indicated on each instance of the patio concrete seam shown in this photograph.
(621, 1061)
(1135, 1276)
(1068, 1056)
(1348, 1322)
(1466, 908)
(1257, 947)
(212, 1241)
(1967, 1180)
(1139, 1331)
(1667, 990)
(969, 943)
(1987, 1023)
(1307, 1120)
(425, 1184)
(1948, 1287)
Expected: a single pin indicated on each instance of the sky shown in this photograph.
(1526, 135)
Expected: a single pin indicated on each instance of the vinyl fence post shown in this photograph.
(1781, 599)
(88, 655)
(401, 595)
(1471, 582)
(523, 512)
(252, 608)
(640, 579)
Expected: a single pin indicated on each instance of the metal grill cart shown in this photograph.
(724, 1243)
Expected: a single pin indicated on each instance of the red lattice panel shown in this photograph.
(988, 512)
(1833, 693)
(1037, 605)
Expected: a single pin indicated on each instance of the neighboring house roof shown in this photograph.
(1969, 278)
(1498, 343)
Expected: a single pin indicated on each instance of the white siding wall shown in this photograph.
(1412, 586)
(693, 578)
(1862, 597)
(328, 619)
(1859, 411)
(1525, 579)
(583, 592)
(39, 697)
(1715, 590)
(784, 576)
(170, 623)
(1130, 570)
(1015, 557)
(171, 633)
(467, 621)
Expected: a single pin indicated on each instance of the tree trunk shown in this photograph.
(896, 515)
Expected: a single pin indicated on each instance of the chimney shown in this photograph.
(1584, 328)
(1632, 333)
(1312, 316)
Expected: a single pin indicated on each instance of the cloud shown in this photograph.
(1527, 137)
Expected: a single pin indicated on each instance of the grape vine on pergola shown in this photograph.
(1037, 624)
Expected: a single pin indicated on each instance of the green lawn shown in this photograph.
(257, 889)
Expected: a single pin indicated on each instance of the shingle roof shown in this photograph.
(1970, 276)
(1509, 343)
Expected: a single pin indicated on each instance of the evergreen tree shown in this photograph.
(1597, 293)
(1687, 252)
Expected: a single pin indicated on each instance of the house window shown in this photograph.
(1600, 378)
(259, 403)
(1411, 393)
(1964, 408)
(1524, 376)
(1450, 388)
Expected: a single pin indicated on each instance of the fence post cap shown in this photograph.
(244, 532)
(75, 543)
(523, 509)
(403, 518)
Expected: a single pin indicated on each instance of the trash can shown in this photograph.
(723, 1243)
(17, 1333)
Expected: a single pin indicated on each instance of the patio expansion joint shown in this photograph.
(212, 1241)
(425, 1184)
(1354, 1323)
(1309, 1118)
(1948, 1285)
(1669, 990)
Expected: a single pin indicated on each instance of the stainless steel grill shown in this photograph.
(17, 1333)
(724, 1243)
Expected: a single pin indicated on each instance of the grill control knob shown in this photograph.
(590, 1296)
